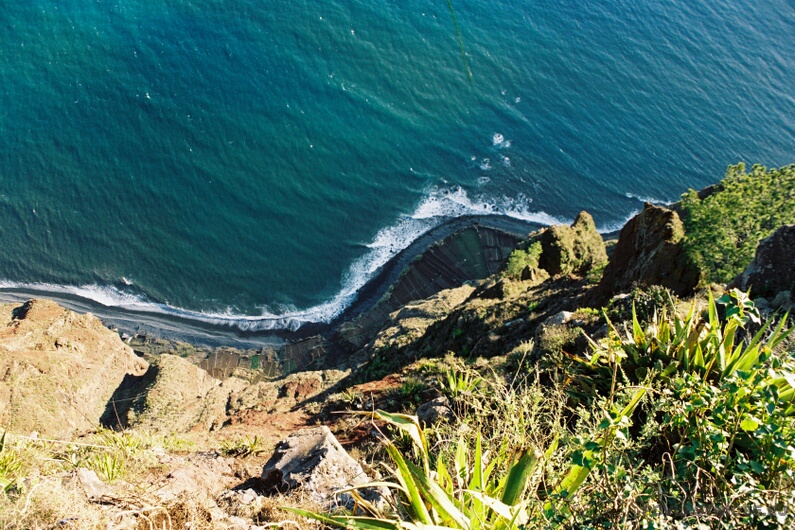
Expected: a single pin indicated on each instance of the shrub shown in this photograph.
(692, 424)
(723, 229)
(521, 260)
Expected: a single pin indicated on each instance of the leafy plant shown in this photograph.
(457, 382)
(704, 346)
(411, 389)
(108, 465)
(723, 229)
(10, 465)
(463, 494)
(246, 446)
(521, 260)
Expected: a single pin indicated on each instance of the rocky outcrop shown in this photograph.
(410, 323)
(58, 369)
(176, 395)
(313, 460)
(771, 274)
(173, 396)
(570, 249)
(473, 253)
(650, 251)
(283, 394)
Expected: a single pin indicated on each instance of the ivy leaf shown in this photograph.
(749, 424)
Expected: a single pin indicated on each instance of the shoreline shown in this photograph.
(197, 332)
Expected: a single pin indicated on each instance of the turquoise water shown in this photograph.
(255, 162)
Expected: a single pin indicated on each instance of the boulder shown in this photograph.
(93, 487)
(571, 249)
(435, 411)
(650, 251)
(201, 475)
(58, 368)
(564, 317)
(312, 459)
(771, 274)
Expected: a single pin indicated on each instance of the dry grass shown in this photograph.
(52, 502)
(48, 495)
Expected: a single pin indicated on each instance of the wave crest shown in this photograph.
(438, 206)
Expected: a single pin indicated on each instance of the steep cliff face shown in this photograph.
(771, 274)
(58, 369)
(650, 252)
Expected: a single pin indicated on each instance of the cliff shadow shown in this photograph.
(128, 399)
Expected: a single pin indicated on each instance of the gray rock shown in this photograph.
(772, 270)
(783, 300)
(312, 459)
(559, 319)
(762, 304)
(248, 496)
(93, 487)
(435, 411)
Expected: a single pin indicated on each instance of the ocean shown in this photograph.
(255, 163)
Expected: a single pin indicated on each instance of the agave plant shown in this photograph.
(466, 493)
(9, 466)
(470, 490)
(709, 347)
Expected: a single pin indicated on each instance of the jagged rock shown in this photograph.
(173, 395)
(313, 460)
(434, 411)
(772, 272)
(284, 393)
(58, 369)
(571, 249)
(501, 288)
(783, 299)
(260, 396)
(470, 254)
(409, 323)
(650, 252)
(201, 475)
(301, 386)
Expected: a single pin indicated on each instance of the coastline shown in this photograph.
(177, 327)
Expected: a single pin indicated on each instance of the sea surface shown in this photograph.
(254, 163)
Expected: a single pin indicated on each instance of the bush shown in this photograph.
(521, 260)
(723, 229)
(692, 425)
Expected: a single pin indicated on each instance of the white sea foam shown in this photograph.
(499, 141)
(439, 205)
(643, 198)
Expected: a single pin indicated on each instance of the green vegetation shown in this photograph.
(411, 389)
(9, 466)
(723, 229)
(243, 447)
(682, 421)
(521, 260)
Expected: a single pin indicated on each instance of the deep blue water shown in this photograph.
(252, 158)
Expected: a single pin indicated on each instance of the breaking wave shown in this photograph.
(437, 207)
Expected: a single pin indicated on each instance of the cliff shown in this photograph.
(526, 345)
